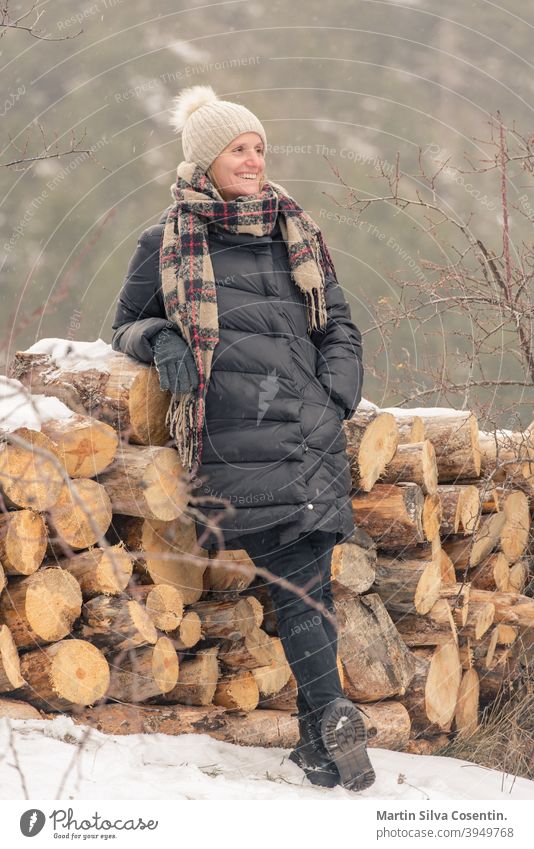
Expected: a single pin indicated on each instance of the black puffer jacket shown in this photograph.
(273, 439)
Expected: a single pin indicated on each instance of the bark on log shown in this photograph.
(197, 681)
(41, 608)
(255, 650)
(510, 608)
(391, 514)
(388, 729)
(144, 673)
(230, 620)
(414, 462)
(408, 586)
(15, 709)
(492, 574)
(116, 623)
(460, 508)
(63, 675)
(81, 515)
(23, 539)
(10, 677)
(30, 473)
(238, 691)
(506, 454)
(146, 481)
(126, 395)
(376, 662)
(468, 552)
(454, 435)
(435, 628)
(458, 597)
(372, 439)
(163, 602)
(100, 571)
(165, 553)
(86, 446)
(229, 571)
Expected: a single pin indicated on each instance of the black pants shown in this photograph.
(309, 638)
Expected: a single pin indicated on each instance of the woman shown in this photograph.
(233, 295)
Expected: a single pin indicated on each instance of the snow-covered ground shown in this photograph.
(158, 766)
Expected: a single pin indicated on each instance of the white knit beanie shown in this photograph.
(208, 124)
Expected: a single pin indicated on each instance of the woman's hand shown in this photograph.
(174, 362)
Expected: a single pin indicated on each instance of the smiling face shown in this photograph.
(238, 169)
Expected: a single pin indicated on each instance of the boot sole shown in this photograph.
(345, 739)
(318, 777)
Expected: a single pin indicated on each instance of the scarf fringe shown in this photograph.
(180, 420)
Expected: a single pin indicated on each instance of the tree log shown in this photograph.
(468, 552)
(81, 515)
(126, 395)
(116, 623)
(467, 706)
(14, 709)
(163, 602)
(197, 681)
(41, 608)
(353, 567)
(434, 629)
(391, 514)
(86, 446)
(510, 608)
(458, 596)
(454, 435)
(165, 553)
(376, 662)
(10, 677)
(100, 571)
(407, 586)
(231, 620)
(388, 728)
(230, 571)
(146, 481)
(188, 633)
(493, 573)
(414, 462)
(372, 439)
(253, 651)
(23, 539)
(238, 691)
(65, 674)
(273, 677)
(433, 693)
(514, 535)
(144, 673)
(460, 508)
(30, 473)
(480, 618)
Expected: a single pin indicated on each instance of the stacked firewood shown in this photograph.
(112, 612)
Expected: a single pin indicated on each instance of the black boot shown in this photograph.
(311, 755)
(345, 739)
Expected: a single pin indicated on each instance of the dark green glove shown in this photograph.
(174, 362)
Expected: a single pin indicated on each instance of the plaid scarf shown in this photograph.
(188, 284)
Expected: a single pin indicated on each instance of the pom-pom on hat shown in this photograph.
(208, 124)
